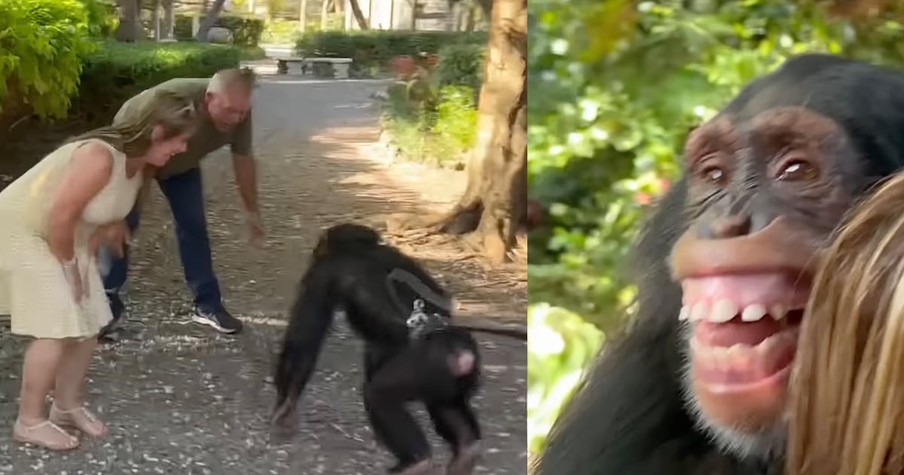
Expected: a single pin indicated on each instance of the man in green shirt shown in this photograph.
(225, 102)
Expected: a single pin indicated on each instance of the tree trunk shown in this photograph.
(129, 29)
(155, 19)
(209, 20)
(303, 15)
(359, 16)
(169, 19)
(494, 204)
(325, 14)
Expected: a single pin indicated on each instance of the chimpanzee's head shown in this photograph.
(767, 181)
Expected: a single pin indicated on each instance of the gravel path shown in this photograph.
(181, 399)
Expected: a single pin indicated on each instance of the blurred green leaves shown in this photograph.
(561, 343)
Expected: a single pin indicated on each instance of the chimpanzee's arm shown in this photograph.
(312, 315)
(363, 291)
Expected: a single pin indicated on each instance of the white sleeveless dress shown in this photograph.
(33, 288)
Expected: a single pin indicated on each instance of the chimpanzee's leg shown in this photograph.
(455, 423)
(395, 382)
(458, 426)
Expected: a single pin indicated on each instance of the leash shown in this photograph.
(420, 323)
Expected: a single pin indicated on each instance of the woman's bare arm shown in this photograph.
(90, 171)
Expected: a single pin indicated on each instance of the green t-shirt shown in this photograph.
(206, 139)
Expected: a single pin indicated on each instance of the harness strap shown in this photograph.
(418, 320)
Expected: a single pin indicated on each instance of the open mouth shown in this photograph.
(744, 329)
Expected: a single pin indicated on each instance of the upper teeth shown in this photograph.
(723, 310)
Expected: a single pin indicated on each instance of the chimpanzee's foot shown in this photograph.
(466, 460)
(424, 467)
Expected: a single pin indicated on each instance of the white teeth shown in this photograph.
(778, 312)
(720, 357)
(753, 313)
(699, 311)
(723, 311)
(766, 345)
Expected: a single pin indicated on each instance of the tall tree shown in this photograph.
(129, 29)
(169, 20)
(209, 20)
(494, 204)
(359, 15)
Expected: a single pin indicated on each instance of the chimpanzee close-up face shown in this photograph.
(698, 383)
(764, 194)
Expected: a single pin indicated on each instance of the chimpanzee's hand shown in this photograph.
(283, 423)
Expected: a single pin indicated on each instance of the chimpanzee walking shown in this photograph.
(413, 352)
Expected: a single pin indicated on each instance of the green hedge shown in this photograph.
(245, 31)
(42, 43)
(372, 50)
(461, 64)
(117, 71)
(182, 27)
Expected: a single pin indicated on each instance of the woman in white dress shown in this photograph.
(53, 218)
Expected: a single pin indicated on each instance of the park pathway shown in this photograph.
(181, 399)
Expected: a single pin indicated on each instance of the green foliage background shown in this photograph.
(432, 117)
(372, 50)
(42, 44)
(615, 85)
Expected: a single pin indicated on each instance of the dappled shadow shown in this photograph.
(181, 398)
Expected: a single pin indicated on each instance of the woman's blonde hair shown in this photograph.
(176, 113)
(847, 390)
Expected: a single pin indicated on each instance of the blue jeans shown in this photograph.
(186, 200)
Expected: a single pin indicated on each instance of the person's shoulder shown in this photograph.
(94, 153)
(185, 84)
(191, 86)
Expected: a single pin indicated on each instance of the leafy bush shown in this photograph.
(102, 18)
(182, 27)
(372, 50)
(428, 126)
(42, 43)
(245, 31)
(456, 119)
(281, 31)
(117, 71)
(561, 345)
(462, 64)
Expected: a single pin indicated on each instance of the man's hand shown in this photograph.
(114, 235)
(246, 179)
(256, 233)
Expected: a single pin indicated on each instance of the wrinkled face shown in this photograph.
(162, 149)
(764, 196)
(227, 109)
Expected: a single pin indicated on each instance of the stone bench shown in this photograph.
(322, 67)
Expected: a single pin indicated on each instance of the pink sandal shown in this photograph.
(79, 418)
(44, 434)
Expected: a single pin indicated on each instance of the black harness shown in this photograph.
(427, 311)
